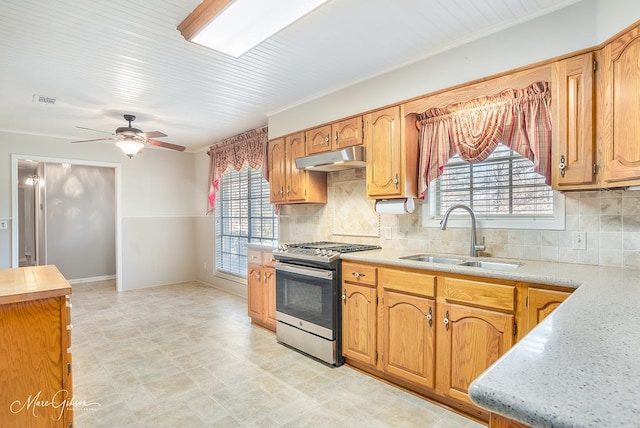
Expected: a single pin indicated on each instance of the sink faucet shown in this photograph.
(474, 246)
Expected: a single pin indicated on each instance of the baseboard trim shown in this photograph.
(91, 279)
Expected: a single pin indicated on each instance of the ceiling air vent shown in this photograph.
(42, 99)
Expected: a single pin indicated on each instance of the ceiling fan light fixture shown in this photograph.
(235, 26)
(130, 147)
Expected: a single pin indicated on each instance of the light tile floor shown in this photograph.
(186, 355)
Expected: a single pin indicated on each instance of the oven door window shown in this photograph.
(306, 297)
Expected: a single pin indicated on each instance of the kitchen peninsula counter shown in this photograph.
(578, 367)
(35, 341)
(31, 283)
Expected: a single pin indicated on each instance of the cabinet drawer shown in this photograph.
(409, 282)
(497, 296)
(254, 257)
(268, 259)
(357, 273)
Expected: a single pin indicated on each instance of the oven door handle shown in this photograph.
(316, 273)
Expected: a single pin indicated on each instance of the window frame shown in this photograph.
(249, 238)
(555, 221)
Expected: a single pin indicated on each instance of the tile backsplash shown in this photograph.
(611, 220)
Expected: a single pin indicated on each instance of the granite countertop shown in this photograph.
(579, 366)
(31, 283)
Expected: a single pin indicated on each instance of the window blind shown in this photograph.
(505, 184)
(243, 215)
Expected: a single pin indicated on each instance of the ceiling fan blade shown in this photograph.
(95, 139)
(91, 129)
(154, 134)
(166, 145)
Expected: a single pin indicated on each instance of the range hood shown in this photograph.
(350, 157)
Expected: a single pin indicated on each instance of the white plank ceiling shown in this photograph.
(102, 58)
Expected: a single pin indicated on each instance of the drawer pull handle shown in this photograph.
(357, 274)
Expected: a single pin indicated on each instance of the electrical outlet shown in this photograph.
(387, 233)
(3, 224)
(579, 240)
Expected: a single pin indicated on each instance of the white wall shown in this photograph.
(80, 208)
(582, 25)
(159, 205)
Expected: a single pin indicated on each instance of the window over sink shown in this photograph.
(243, 215)
(503, 190)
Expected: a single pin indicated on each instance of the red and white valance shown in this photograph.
(517, 118)
(246, 148)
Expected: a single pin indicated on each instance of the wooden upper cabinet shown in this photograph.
(287, 183)
(392, 156)
(347, 133)
(319, 140)
(335, 136)
(277, 170)
(574, 142)
(296, 178)
(621, 110)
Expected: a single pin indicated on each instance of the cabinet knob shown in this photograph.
(70, 327)
(326, 139)
(336, 137)
(396, 181)
(357, 274)
(344, 296)
(446, 320)
(258, 276)
(430, 316)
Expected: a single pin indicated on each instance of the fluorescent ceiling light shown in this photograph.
(238, 26)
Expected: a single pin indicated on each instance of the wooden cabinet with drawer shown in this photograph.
(408, 331)
(261, 288)
(476, 325)
(359, 304)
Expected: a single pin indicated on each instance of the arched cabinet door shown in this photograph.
(621, 91)
(470, 340)
(409, 338)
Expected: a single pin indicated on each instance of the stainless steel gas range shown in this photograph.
(308, 311)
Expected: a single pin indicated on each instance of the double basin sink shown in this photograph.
(482, 264)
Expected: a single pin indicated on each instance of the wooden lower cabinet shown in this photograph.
(359, 319)
(409, 339)
(469, 341)
(541, 302)
(261, 289)
(35, 337)
(435, 334)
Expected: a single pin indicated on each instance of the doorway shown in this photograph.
(60, 209)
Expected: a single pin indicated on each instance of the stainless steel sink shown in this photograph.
(490, 265)
(433, 259)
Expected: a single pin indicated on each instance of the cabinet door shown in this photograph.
(384, 161)
(573, 134)
(255, 293)
(621, 78)
(296, 178)
(277, 170)
(409, 338)
(319, 140)
(542, 302)
(347, 133)
(359, 323)
(269, 277)
(469, 341)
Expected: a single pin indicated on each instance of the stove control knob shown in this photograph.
(329, 252)
(318, 251)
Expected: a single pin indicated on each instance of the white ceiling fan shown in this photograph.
(130, 140)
